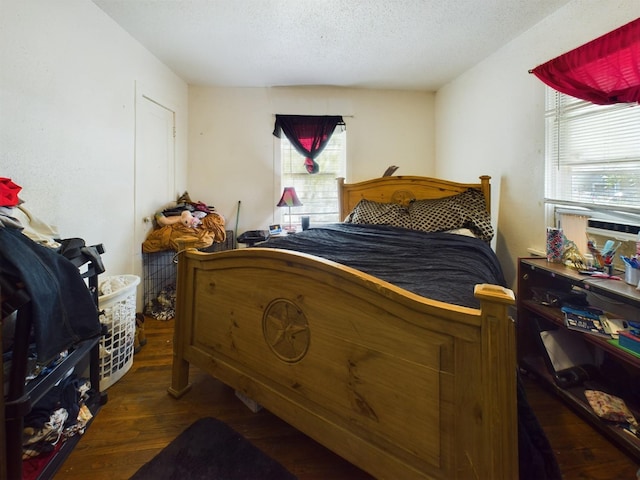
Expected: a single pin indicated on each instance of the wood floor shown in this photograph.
(140, 418)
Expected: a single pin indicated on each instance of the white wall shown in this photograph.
(231, 146)
(67, 119)
(490, 119)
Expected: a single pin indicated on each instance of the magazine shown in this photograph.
(586, 320)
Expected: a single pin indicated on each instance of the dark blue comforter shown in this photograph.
(440, 266)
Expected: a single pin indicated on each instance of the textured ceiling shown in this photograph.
(400, 44)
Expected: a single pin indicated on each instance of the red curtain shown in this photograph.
(309, 134)
(603, 71)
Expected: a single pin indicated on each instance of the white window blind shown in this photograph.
(318, 192)
(592, 154)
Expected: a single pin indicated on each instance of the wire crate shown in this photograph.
(160, 272)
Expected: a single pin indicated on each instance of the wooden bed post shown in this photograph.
(485, 186)
(499, 372)
(180, 370)
(341, 206)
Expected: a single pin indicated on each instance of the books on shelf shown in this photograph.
(616, 325)
(630, 340)
(588, 320)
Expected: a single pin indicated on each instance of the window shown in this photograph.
(318, 192)
(592, 154)
(592, 162)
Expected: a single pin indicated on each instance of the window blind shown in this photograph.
(592, 154)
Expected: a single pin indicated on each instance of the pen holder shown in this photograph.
(632, 275)
(555, 244)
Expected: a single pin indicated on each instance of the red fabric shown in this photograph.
(8, 193)
(33, 467)
(603, 71)
(313, 138)
(308, 134)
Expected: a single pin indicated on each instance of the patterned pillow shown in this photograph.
(465, 210)
(376, 213)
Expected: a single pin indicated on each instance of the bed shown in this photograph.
(401, 385)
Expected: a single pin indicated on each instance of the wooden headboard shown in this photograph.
(404, 189)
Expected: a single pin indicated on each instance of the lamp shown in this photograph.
(289, 199)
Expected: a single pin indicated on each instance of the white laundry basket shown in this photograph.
(119, 315)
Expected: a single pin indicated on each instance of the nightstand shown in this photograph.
(251, 237)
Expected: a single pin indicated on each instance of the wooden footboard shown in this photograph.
(399, 385)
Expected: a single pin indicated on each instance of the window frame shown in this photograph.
(292, 173)
(589, 121)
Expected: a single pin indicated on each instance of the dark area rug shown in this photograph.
(210, 449)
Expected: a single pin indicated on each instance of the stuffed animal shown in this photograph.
(186, 218)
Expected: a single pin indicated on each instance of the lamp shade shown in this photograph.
(289, 198)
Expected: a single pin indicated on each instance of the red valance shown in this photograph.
(603, 71)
